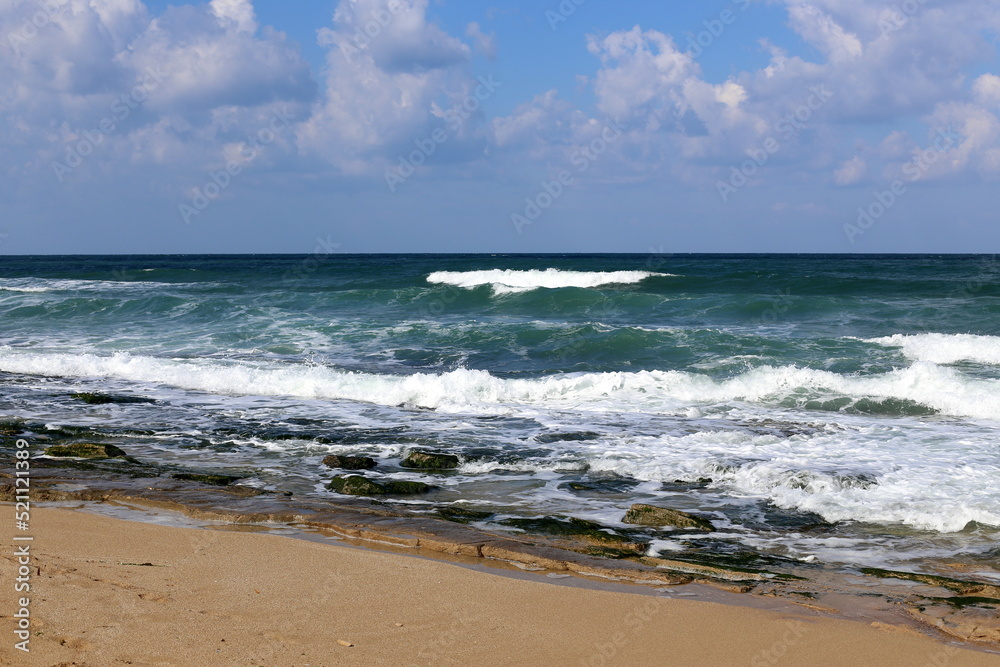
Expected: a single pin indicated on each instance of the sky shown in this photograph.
(239, 126)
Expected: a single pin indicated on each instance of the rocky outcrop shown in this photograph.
(585, 531)
(349, 462)
(83, 450)
(650, 515)
(207, 478)
(358, 485)
(104, 399)
(426, 460)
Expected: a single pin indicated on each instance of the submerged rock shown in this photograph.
(85, 451)
(425, 460)
(587, 531)
(104, 399)
(462, 515)
(204, 478)
(401, 487)
(963, 587)
(11, 428)
(650, 515)
(547, 438)
(349, 462)
(357, 485)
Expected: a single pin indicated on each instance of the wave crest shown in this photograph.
(510, 281)
(653, 392)
(945, 348)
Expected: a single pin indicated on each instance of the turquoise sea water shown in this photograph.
(773, 393)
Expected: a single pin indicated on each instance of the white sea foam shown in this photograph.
(508, 281)
(945, 348)
(938, 478)
(880, 475)
(655, 392)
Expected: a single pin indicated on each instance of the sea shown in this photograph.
(842, 409)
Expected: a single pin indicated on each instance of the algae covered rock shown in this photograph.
(463, 515)
(349, 462)
(650, 515)
(85, 451)
(357, 485)
(11, 428)
(104, 399)
(578, 529)
(204, 478)
(425, 460)
(406, 487)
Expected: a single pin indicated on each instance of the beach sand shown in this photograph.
(232, 598)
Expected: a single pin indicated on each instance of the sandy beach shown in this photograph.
(112, 592)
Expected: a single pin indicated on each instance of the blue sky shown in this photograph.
(743, 126)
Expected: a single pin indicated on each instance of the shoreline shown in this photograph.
(239, 598)
(914, 603)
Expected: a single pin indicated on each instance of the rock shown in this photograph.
(585, 531)
(406, 487)
(214, 480)
(429, 460)
(357, 485)
(546, 438)
(963, 587)
(349, 462)
(11, 428)
(650, 515)
(85, 451)
(104, 399)
(462, 515)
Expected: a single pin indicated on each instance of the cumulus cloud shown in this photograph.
(851, 171)
(165, 89)
(392, 75)
(486, 43)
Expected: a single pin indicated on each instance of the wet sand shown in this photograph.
(114, 592)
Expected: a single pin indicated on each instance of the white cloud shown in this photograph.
(236, 14)
(986, 90)
(825, 33)
(851, 171)
(389, 76)
(486, 44)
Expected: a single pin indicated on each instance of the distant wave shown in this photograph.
(508, 281)
(945, 348)
(922, 385)
(41, 285)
